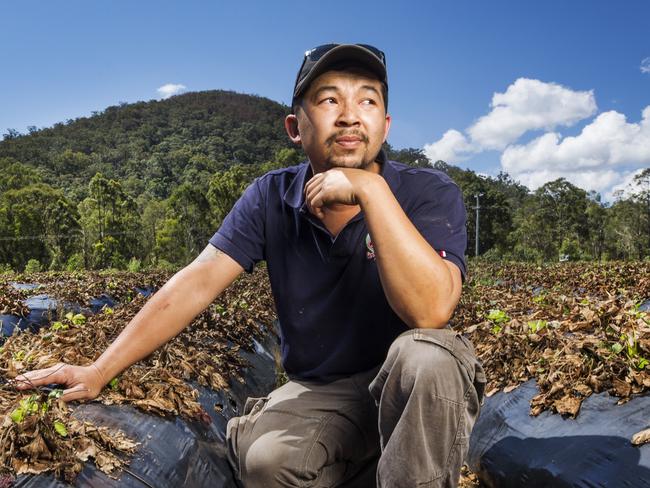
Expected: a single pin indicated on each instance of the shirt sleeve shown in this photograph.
(242, 233)
(441, 219)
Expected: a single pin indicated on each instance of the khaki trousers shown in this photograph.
(404, 424)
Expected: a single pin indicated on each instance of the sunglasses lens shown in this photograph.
(375, 51)
(316, 53)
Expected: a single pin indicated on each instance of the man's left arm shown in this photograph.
(422, 288)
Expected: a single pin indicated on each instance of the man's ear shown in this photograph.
(291, 126)
(388, 121)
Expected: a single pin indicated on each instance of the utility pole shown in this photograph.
(477, 195)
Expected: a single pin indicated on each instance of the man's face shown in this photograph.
(342, 121)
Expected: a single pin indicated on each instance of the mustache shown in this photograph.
(331, 139)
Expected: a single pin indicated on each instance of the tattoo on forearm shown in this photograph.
(210, 253)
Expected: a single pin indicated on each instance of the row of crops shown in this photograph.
(575, 328)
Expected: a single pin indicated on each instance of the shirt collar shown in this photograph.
(295, 195)
(389, 172)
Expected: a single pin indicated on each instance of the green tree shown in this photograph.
(642, 196)
(410, 156)
(36, 222)
(111, 225)
(14, 175)
(226, 187)
(623, 234)
(596, 220)
(189, 210)
(556, 213)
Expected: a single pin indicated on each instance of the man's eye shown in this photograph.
(329, 100)
(368, 101)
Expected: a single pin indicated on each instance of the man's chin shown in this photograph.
(350, 161)
(347, 164)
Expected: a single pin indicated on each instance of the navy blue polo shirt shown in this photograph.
(334, 317)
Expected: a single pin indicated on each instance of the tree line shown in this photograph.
(147, 184)
(556, 220)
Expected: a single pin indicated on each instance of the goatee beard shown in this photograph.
(329, 142)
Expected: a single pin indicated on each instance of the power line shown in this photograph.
(42, 237)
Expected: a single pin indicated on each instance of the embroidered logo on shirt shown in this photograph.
(442, 254)
(370, 253)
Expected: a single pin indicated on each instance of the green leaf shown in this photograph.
(17, 415)
(643, 362)
(497, 316)
(32, 404)
(78, 319)
(113, 383)
(58, 326)
(616, 348)
(60, 428)
(56, 393)
(536, 325)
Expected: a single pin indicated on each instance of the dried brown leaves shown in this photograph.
(39, 435)
(206, 352)
(574, 327)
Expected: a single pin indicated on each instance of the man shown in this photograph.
(366, 260)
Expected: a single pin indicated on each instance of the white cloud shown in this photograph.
(530, 105)
(645, 65)
(592, 160)
(452, 147)
(525, 105)
(170, 89)
(608, 141)
(602, 157)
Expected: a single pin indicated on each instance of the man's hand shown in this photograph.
(421, 287)
(83, 382)
(337, 186)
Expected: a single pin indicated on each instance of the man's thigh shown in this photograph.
(306, 433)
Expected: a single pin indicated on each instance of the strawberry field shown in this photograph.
(576, 328)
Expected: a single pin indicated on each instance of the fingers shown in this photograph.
(315, 205)
(328, 188)
(75, 377)
(40, 377)
(313, 186)
(78, 392)
(313, 196)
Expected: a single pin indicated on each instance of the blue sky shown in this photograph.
(574, 76)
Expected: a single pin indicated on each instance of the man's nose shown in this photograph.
(348, 115)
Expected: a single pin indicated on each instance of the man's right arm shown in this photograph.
(164, 316)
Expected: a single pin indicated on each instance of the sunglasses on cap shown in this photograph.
(317, 52)
(317, 60)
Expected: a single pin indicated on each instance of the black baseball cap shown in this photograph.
(321, 58)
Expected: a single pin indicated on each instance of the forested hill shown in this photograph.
(148, 183)
(159, 144)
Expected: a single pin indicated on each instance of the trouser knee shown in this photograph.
(428, 359)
